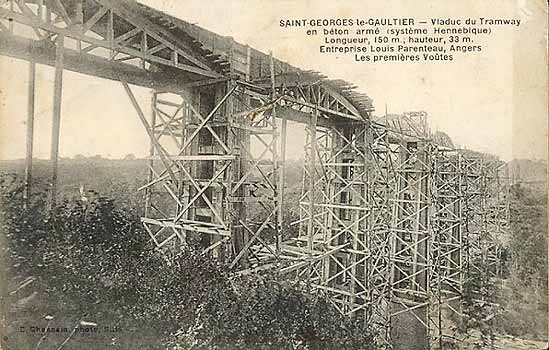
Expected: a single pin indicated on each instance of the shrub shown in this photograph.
(95, 257)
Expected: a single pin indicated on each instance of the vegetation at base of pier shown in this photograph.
(524, 291)
(92, 261)
(479, 309)
(516, 304)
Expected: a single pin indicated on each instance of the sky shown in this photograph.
(494, 101)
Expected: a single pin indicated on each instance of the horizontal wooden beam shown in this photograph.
(189, 226)
(198, 157)
(159, 33)
(253, 130)
(28, 20)
(321, 109)
(43, 52)
(298, 116)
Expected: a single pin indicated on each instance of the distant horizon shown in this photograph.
(145, 157)
(101, 157)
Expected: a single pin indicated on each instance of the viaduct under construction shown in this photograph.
(393, 220)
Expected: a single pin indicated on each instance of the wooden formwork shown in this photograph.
(391, 224)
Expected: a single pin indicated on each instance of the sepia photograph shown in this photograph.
(292, 174)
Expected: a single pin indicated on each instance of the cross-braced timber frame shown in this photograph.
(391, 223)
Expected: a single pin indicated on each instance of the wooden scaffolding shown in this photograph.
(391, 222)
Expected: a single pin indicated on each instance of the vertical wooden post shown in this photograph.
(110, 33)
(243, 165)
(57, 91)
(278, 186)
(79, 22)
(183, 193)
(248, 62)
(148, 192)
(30, 132)
(231, 56)
(144, 50)
(312, 171)
(281, 180)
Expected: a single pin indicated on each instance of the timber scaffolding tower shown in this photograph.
(392, 220)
